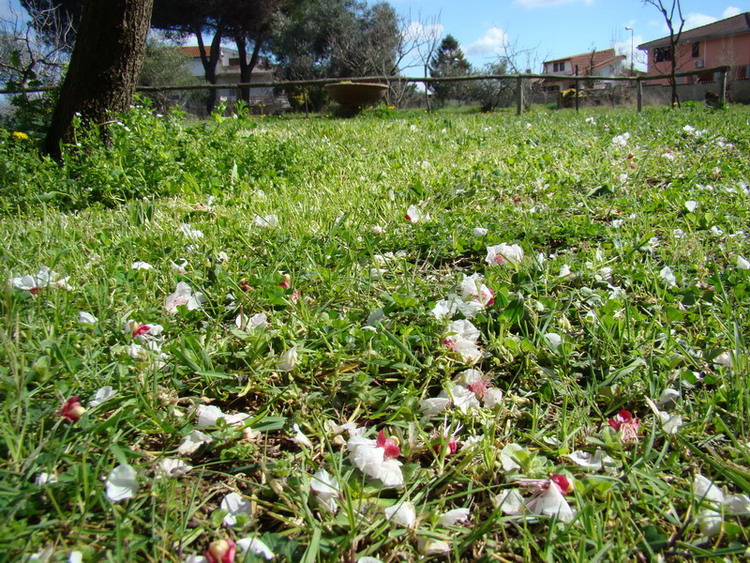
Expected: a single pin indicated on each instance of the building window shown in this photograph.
(558, 67)
(696, 50)
(662, 54)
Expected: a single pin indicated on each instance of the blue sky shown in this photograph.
(541, 30)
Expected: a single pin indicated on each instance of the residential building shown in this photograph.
(590, 65)
(228, 72)
(725, 42)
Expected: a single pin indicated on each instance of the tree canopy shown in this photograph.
(448, 60)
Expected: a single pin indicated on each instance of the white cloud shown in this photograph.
(548, 3)
(418, 31)
(694, 20)
(492, 42)
(729, 12)
(624, 48)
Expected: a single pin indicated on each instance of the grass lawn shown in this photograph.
(399, 336)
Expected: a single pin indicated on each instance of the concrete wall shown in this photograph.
(738, 91)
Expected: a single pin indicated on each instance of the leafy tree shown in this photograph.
(449, 60)
(166, 65)
(104, 66)
(334, 39)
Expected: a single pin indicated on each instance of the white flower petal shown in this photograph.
(453, 517)
(171, 467)
(431, 407)
(85, 318)
(510, 502)
(122, 483)
(551, 502)
(288, 360)
(300, 438)
(193, 441)
(103, 394)
(235, 505)
(402, 513)
(593, 462)
(256, 546)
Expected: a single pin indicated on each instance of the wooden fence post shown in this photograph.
(723, 87)
(639, 93)
(519, 95)
(577, 100)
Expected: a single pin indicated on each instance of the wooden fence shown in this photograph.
(722, 71)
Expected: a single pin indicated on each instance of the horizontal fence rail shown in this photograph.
(519, 78)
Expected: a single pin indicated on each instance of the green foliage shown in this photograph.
(449, 61)
(152, 155)
(303, 220)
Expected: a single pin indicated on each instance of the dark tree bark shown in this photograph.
(247, 67)
(210, 59)
(104, 67)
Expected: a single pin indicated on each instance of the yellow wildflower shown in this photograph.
(20, 135)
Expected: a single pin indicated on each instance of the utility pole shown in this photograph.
(632, 51)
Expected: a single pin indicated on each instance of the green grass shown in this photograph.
(551, 182)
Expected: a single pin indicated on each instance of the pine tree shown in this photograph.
(449, 60)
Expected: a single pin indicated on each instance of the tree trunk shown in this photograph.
(210, 61)
(247, 67)
(104, 67)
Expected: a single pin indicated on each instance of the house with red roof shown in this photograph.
(724, 42)
(591, 64)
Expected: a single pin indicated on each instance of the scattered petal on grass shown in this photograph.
(479, 231)
(668, 277)
(183, 295)
(300, 439)
(193, 441)
(724, 359)
(288, 360)
(553, 340)
(403, 514)
(236, 506)
(670, 423)
(34, 283)
(103, 394)
(85, 318)
(742, 263)
(75, 557)
(255, 546)
(243, 322)
(326, 489)
(122, 483)
(691, 205)
(432, 546)
(667, 398)
(45, 479)
(192, 234)
(598, 461)
(267, 221)
(502, 253)
(139, 265)
(171, 467)
(453, 517)
(551, 502)
(209, 415)
(510, 502)
(431, 407)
